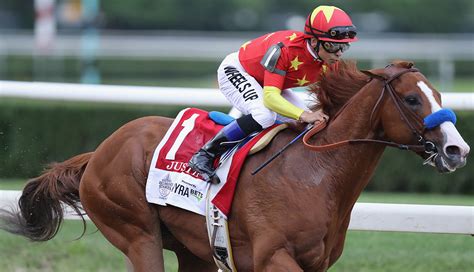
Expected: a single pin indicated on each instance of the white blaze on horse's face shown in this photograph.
(452, 138)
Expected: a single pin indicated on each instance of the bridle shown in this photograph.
(411, 119)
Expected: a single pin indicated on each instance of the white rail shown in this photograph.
(9, 200)
(413, 218)
(112, 93)
(375, 216)
(154, 95)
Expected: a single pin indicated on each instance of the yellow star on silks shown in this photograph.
(302, 81)
(245, 44)
(268, 36)
(292, 36)
(295, 63)
(325, 68)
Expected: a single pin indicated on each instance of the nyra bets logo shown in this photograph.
(186, 189)
(165, 186)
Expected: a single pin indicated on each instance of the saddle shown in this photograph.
(225, 119)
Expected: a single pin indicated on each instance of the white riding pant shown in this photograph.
(246, 94)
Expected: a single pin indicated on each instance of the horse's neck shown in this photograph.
(348, 169)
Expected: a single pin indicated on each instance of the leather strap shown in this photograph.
(327, 147)
(398, 103)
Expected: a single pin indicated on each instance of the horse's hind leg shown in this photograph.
(124, 218)
(143, 251)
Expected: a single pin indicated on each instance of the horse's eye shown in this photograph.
(412, 100)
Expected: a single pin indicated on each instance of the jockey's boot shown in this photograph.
(203, 160)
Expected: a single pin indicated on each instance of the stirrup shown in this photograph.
(213, 178)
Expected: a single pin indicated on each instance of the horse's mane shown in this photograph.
(338, 86)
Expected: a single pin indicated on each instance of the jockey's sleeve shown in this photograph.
(273, 100)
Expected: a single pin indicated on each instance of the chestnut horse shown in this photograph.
(292, 216)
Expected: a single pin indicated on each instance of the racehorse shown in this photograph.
(291, 216)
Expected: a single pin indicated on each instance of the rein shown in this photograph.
(424, 145)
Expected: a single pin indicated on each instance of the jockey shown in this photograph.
(257, 79)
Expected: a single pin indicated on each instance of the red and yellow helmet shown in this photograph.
(329, 23)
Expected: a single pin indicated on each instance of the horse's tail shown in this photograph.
(40, 211)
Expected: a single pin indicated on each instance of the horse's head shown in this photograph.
(410, 112)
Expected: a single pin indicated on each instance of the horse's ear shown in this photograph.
(376, 73)
(403, 63)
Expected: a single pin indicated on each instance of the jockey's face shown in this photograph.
(329, 58)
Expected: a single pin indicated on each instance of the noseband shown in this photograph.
(413, 121)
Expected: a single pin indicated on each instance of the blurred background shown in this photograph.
(176, 43)
(180, 43)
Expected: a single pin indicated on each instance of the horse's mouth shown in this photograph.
(440, 163)
(444, 166)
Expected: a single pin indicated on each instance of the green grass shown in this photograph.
(379, 252)
(364, 251)
(12, 184)
(90, 253)
(462, 85)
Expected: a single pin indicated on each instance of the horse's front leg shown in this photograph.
(336, 251)
(270, 253)
(281, 260)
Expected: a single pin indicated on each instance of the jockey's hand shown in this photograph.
(313, 117)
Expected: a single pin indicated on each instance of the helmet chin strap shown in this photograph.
(315, 49)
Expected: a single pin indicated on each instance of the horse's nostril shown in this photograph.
(453, 151)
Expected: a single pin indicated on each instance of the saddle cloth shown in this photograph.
(170, 180)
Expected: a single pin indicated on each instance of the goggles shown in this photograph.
(341, 32)
(333, 47)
